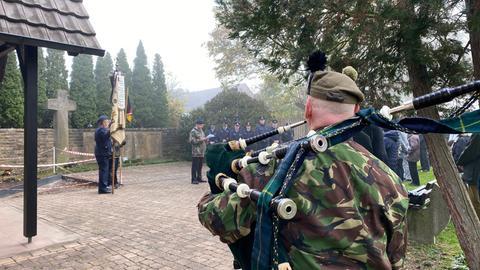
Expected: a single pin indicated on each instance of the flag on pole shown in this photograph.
(118, 98)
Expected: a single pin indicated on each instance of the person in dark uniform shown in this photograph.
(103, 152)
(235, 133)
(276, 138)
(260, 129)
(287, 135)
(247, 133)
(223, 133)
(212, 131)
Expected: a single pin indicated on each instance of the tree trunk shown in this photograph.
(466, 222)
(473, 17)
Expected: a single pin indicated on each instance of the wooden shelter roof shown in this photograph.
(56, 24)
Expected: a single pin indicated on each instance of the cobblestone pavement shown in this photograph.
(149, 223)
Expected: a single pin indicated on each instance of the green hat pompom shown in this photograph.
(350, 72)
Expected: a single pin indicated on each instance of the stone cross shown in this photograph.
(61, 105)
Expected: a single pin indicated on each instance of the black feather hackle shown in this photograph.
(316, 61)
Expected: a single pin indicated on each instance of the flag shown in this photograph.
(117, 128)
(129, 110)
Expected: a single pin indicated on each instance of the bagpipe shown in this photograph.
(227, 160)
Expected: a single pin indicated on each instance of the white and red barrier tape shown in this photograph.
(48, 165)
(77, 153)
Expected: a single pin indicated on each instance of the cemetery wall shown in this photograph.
(141, 144)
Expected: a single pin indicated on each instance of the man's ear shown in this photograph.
(308, 109)
(357, 108)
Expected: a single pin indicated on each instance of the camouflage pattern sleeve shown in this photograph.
(227, 215)
(195, 137)
(198, 144)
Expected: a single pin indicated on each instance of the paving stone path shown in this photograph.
(149, 223)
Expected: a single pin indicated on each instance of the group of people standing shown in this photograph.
(399, 150)
(199, 140)
(403, 153)
(236, 132)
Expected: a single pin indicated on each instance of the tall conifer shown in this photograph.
(142, 93)
(122, 63)
(11, 95)
(103, 69)
(56, 76)
(82, 90)
(42, 116)
(160, 93)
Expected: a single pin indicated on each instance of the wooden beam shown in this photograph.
(5, 49)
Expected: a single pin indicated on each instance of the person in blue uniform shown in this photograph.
(260, 129)
(223, 133)
(276, 138)
(247, 132)
(235, 133)
(287, 135)
(212, 131)
(103, 153)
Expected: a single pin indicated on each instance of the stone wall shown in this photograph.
(145, 143)
(11, 146)
(141, 144)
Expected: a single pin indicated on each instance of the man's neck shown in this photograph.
(323, 122)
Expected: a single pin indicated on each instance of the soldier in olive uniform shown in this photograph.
(199, 144)
(351, 206)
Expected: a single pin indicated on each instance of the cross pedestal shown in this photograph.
(61, 105)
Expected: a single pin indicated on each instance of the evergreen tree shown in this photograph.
(56, 76)
(103, 69)
(82, 90)
(122, 64)
(160, 93)
(42, 116)
(11, 95)
(142, 91)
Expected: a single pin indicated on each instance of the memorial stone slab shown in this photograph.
(61, 105)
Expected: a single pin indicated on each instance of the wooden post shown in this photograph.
(120, 161)
(113, 168)
(28, 58)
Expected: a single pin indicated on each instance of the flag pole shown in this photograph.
(113, 167)
(125, 116)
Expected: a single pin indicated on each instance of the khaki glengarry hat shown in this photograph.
(334, 86)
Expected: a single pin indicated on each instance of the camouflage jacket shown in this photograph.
(198, 145)
(351, 211)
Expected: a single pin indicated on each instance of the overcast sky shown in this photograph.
(174, 29)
